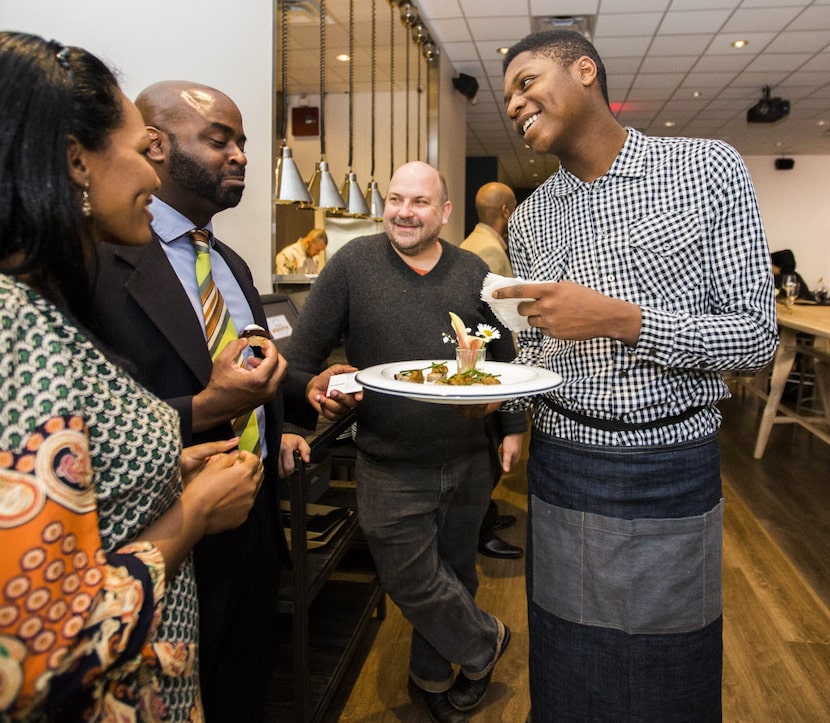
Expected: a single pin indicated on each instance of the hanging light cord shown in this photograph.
(392, 90)
(408, 155)
(323, 78)
(372, 134)
(351, 83)
(284, 73)
(420, 92)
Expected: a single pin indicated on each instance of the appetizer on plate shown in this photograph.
(471, 376)
(437, 372)
(411, 375)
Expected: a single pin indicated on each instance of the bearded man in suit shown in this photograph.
(148, 309)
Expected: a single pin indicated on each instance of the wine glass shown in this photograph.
(789, 282)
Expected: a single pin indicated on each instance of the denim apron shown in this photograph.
(624, 581)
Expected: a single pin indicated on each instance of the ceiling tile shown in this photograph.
(779, 62)
(693, 21)
(622, 47)
(799, 41)
(563, 7)
(759, 19)
(451, 30)
(433, 9)
(487, 8)
(627, 24)
(679, 44)
(668, 63)
(498, 28)
(816, 17)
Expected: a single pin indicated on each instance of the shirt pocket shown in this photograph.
(667, 254)
(550, 264)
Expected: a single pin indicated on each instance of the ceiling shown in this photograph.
(668, 62)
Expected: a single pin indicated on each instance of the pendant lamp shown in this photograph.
(407, 135)
(419, 89)
(288, 183)
(323, 189)
(374, 201)
(350, 190)
(391, 90)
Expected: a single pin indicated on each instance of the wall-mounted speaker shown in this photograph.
(466, 85)
(784, 164)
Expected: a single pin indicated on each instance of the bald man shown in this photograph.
(494, 204)
(149, 310)
(423, 470)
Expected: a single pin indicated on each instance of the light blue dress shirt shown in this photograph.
(172, 227)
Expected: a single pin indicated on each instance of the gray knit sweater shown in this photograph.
(367, 296)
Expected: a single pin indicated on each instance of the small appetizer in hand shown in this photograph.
(257, 338)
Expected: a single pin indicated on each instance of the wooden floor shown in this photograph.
(776, 593)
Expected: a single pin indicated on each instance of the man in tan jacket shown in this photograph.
(494, 204)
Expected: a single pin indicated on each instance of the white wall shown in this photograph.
(795, 207)
(452, 149)
(147, 41)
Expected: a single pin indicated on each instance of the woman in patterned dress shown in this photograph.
(99, 505)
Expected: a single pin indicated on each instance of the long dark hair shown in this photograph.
(47, 93)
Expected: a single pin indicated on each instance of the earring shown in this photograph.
(86, 206)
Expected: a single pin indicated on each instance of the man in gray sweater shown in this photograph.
(423, 470)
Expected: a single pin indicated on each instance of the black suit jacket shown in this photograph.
(144, 315)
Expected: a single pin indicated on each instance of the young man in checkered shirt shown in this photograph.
(658, 280)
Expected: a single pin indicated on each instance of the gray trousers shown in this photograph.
(421, 525)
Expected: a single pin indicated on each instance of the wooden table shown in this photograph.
(815, 321)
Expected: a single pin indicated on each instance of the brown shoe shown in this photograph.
(467, 693)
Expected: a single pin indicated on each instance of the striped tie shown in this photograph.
(219, 329)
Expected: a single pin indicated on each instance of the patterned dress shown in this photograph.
(90, 629)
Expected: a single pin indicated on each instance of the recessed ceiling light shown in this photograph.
(531, 160)
(738, 44)
(696, 94)
(502, 50)
(344, 57)
(669, 124)
(821, 123)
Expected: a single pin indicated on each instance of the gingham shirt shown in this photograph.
(674, 227)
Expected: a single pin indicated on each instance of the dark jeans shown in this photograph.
(624, 582)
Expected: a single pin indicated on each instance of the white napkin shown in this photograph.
(506, 310)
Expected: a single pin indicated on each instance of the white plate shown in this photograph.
(516, 381)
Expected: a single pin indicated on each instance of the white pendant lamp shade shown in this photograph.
(323, 189)
(374, 201)
(351, 193)
(289, 184)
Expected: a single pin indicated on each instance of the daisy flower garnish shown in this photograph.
(464, 340)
